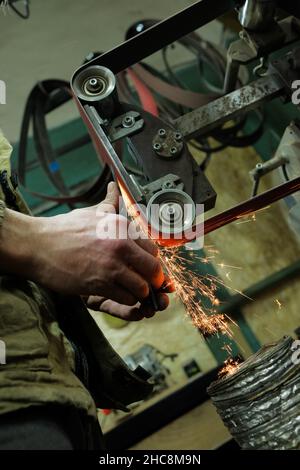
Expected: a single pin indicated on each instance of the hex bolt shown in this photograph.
(259, 166)
(168, 185)
(93, 82)
(173, 150)
(178, 136)
(128, 121)
(156, 146)
(162, 133)
(94, 85)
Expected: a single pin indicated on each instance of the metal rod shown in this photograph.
(213, 115)
(231, 75)
(252, 205)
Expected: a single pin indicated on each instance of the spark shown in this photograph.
(188, 286)
(272, 333)
(230, 367)
(227, 348)
(223, 265)
(278, 303)
(211, 249)
(244, 222)
(251, 216)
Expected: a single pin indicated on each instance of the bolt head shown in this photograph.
(93, 81)
(94, 85)
(168, 185)
(128, 121)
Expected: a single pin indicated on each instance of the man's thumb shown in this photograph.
(112, 195)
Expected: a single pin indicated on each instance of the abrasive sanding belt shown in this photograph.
(187, 98)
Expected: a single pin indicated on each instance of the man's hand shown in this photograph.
(65, 254)
(144, 309)
(129, 313)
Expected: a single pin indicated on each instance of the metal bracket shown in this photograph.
(202, 120)
(264, 42)
(253, 45)
(166, 182)
(167, 144)
(125, 125)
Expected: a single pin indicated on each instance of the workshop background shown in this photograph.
(260, 253)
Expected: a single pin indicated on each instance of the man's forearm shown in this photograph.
(65, 253)
(16, 243)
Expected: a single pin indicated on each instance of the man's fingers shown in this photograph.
(131, 313)
(134, 283)
(148, 246)
(114, 308)
(167, 286)
(163, 301)
(145, 264)
(94, 302)
(134, 312)
(117, 293)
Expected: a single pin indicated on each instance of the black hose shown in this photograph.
(38, 104)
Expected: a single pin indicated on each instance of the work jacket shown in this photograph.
(55, 352)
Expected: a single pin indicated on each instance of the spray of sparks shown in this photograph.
(230, 366)
(203, 310)
(251, 217)
(188, 287)
(197, 292)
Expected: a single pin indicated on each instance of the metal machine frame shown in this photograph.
(108, 120)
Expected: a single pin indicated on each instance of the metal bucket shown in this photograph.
(260, 401)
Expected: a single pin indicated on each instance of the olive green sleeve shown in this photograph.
(2, 209)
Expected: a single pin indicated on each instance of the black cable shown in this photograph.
(244, 140)
(172, 76)
(208, 149)
(38, 102)
(44, 149)
(203, 165)
(229, 138)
